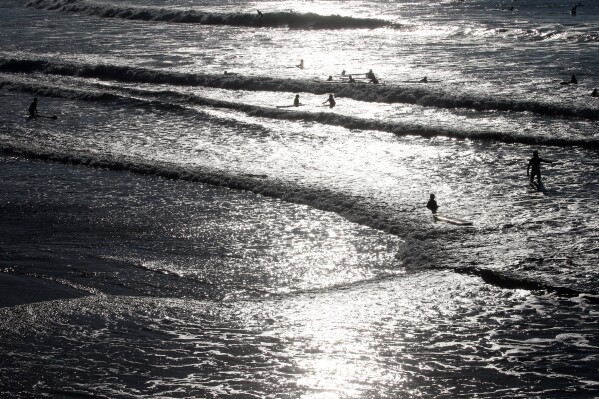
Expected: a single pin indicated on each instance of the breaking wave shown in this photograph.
(270, 20)
(173, 101)
(421, 248)
(407, 94)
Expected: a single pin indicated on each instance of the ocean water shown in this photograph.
(179, 230)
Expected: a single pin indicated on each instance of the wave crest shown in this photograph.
(272, 20)
(407, 94)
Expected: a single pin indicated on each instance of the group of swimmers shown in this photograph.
(331, 100)
(350, 79)
(534, 166)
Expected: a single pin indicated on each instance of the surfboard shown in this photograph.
(41, 116)
(341, 82)
(289, 106)
(450, 220)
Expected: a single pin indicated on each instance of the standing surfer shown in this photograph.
(33, 109)
(432, 204)
(535, 164)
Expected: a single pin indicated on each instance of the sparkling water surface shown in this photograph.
(184, 237)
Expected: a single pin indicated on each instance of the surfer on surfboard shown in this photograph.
(371, 77)
(535, 164)
(432, 204)
(296, 101)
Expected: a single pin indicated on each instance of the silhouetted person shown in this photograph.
(432, 204)
(296, 102)
(572, 81)
(33, 109)
(595, 93)
(343, 73)
(573, 10)
(301, 64)
(351, 80)
(535, 164)
(330, 79)
(424, 80)
(373, 79)
(330, 100)
(259, 18)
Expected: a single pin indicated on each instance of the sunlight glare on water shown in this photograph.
(183, 232)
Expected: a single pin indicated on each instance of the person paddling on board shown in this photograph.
(595, 93)
(535, 164)
(423, 80)
(296, 102)
(330, 100)
(33, 109)
(432, 204)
